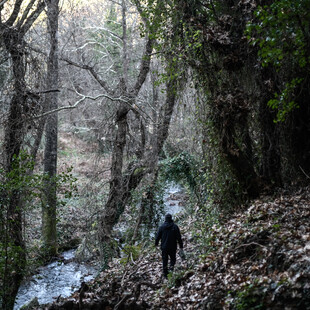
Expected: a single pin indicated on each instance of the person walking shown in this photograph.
(170, 236)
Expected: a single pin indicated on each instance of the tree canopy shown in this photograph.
(124, 97)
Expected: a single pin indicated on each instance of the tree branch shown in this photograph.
(123, 99)
(27, 10)
(33, 16)
(84, 97)
(3, 2)
(248, 244)
(91, 71)
(14, 14)
(145, 66)
(308, 177)
(113, 34)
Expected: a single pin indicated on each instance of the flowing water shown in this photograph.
(64, 277)
(172, 199)
(58, 278)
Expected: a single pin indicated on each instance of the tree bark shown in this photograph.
(14, 243)
(49, 206)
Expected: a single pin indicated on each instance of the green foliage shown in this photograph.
(130, 253)
(180, 169)
(284, 102)
(18, 179)
(151, 197)
(31, 186)
(175, 278)
(282, 33)
(250, 297)
(65, 186)
(108, 252)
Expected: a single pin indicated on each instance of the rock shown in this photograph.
(83, 252)
(33, 304)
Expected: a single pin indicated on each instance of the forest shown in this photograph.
(117, 112)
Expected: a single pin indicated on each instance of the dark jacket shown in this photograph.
(169, 234)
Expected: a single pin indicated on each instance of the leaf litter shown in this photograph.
(259, 258)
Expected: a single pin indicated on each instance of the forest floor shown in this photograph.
(258, 258)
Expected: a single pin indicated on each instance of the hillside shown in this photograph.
(256, 259)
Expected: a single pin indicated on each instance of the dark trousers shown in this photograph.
(166, 254)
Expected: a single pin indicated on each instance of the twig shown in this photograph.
(122, 301)
(248, 244)
(304, 172)
(92, 72)
(122, 281)
(46, 91)
(131, 258)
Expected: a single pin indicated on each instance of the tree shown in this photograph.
(281, 33)
(118, 61)
(49, 232)
(13, 28)
(209, 36)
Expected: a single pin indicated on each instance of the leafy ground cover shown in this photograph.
(257, 259)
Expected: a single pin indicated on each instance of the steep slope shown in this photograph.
(257, 259)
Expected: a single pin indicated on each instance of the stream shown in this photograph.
(65, 276)
(57, 278)
(172, 199)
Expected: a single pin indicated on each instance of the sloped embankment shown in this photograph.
(258, 259)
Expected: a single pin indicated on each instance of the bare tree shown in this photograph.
(113, 55)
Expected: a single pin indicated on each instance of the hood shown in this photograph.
(168, 218)
(168, 225)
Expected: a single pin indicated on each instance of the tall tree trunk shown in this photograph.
(114, 204)
(49, 206)
(14, 244)
(12, 33)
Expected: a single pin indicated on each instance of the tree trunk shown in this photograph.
(115, 203)
(12, 33)
(123, 183)
(14, 244)
(49, 233)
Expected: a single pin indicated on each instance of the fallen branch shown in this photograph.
(249, 244)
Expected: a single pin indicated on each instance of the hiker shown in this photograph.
(169, 234)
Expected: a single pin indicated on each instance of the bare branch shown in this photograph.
(145, 66)
(3, 2)
(46, 91)
(25, 14)
(83, 98)
(113, 34)
(249, 244)
(33, 16)
(116, 2)
(15, 13)
(92, 72)
(308, 177)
